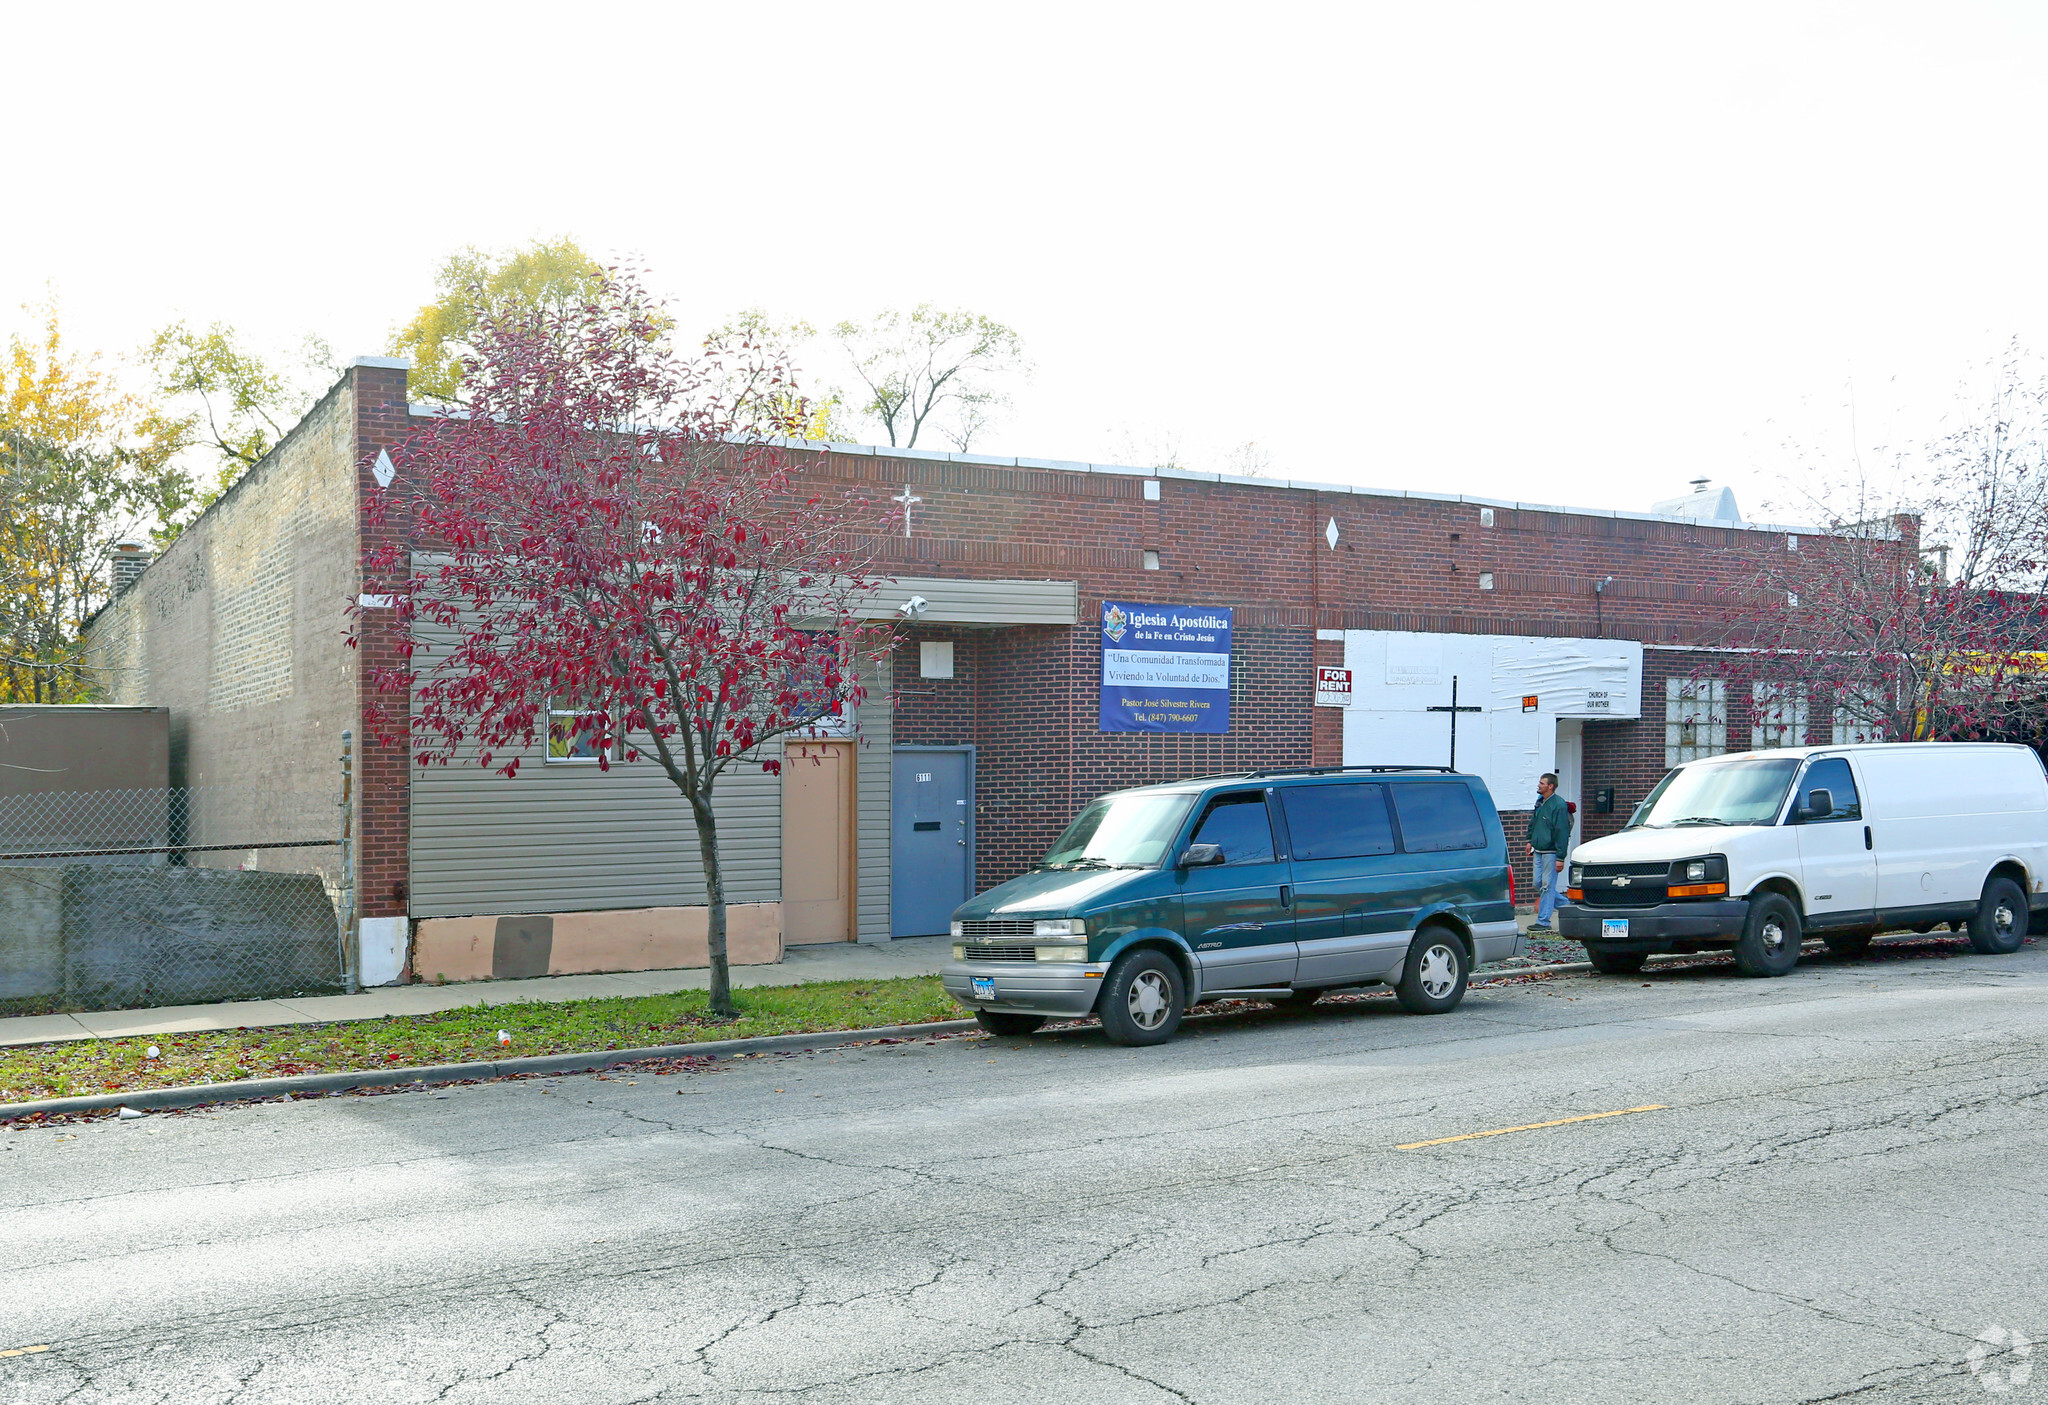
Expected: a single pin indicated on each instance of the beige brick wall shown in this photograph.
(240, 627)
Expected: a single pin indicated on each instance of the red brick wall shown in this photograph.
(383, 767)
(1026, 698)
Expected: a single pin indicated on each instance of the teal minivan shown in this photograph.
(1271, 883)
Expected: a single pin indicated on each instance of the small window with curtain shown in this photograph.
(578, 734)
(1337, 821)
(1238, 825)
(1437, 817)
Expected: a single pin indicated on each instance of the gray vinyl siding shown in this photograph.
(875, 769)
(979, 601)
(571, 838)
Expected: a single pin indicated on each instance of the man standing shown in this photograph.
(1550, 844)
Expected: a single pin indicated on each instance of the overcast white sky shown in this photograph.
(1560, 253)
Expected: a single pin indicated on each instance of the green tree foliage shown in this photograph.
(82, 466)
(219, 396)
(62, 509)
(555, 275)
(750, 367)
(932, 369)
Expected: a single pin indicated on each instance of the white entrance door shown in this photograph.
(1570, 759)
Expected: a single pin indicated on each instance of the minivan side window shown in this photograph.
(1338, 821)
(1437, 816)
(1832, 774)
(1237, 824)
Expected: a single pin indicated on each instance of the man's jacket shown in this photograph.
(1550, 828)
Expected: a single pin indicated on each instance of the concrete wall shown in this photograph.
(97, 938)
(240, 627)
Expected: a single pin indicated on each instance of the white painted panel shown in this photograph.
(380, 949)
(1398, 676)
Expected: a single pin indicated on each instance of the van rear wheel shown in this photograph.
(1143, 998)
(1769, 944)
(2001, 921)
(1433, 977)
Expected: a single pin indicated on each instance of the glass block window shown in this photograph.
(1858, 722)
(1780, 715)
(1695, 719)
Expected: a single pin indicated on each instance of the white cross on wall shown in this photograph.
(906, 497)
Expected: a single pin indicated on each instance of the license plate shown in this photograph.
(985, 986)
(1614, 927)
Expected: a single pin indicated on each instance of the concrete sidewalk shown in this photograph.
(838, 961)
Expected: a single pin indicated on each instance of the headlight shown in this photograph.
(959, 952)
(1705, 877)
(959, 929)
(1063, 953)
(1059, 927)
(1577, 877)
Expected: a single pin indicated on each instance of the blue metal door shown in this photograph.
(931, 840)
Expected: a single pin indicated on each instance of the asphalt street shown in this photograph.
(1837, 1200)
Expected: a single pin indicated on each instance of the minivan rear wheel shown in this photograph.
(2001, 921)
(1143, 998)
(1769, 944)
(1433, 977)
(1002, 1022)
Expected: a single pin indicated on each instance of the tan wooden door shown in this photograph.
(817, 842)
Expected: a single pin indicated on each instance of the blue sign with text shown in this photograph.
(1165, 668)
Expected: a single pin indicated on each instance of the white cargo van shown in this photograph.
(1758, 850)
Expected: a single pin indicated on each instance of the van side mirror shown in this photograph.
(1819, 805)
(1202, 856)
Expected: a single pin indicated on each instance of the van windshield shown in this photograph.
(1120, 831)
(1722, 792)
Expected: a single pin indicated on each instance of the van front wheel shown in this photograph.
(1433, 977)
(1616, 963)
(1143, 998)
(2001, 921)
(1769, 944)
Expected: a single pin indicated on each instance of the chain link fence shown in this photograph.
(121, 899)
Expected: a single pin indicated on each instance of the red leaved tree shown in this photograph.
(1918, 615)
(605, 553)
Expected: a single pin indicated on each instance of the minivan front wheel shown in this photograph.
(2001, 921)
(1433, 977)
(1143, 998)
(1769, 944)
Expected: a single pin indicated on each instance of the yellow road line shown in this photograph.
(24, 1351)
(1533, 1126)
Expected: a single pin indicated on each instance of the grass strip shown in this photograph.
(88, 1066)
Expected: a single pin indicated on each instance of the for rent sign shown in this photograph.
(1165, 668)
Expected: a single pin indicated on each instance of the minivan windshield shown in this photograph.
(1719, 793)
(1120, 831)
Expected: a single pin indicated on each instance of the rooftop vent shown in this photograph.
(129, 560)
(1706, 502)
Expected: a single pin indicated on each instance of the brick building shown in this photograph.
(1578, 634)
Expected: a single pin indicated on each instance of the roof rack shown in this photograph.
(1313, 771)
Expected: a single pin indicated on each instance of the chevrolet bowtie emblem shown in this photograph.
(1621, 882)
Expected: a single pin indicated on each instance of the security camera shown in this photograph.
(913, 607)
